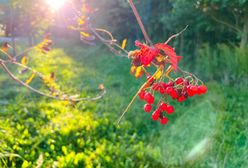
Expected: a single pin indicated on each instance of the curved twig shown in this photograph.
(63, 96)
(176, 35)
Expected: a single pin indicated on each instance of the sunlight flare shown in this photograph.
(55, 4)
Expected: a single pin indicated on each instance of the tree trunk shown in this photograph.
(244, 37)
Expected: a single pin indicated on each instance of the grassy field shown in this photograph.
(206, 131)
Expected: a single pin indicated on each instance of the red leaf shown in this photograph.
(147, 54)
(170, 52)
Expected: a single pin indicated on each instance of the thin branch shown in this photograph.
(64, 96)
(25, 51)
(107, 32)
(176, 35)
(109, 43)
(148, 41)
(225, 23)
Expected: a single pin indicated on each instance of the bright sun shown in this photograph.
(55, 4)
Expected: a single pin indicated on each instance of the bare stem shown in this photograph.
(176, 35)
(24, 52)
(142, 27)
(109, 43)
(63, 97)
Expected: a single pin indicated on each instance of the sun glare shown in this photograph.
(55, 4)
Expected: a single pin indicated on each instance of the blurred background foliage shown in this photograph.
(207, 131)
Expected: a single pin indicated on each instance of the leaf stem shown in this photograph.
(136, 95)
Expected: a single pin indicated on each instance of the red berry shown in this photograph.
(181, 98)
(169, 90)
(174, 94)
(156, 115)
(194, 89)
(142, 94)
(189, 91)
(170, 109)
(179, 81)
(155, 86)
(147, 108)
(164, 120)
(161, 90)
(164, 85)
(186, 82)
(202, 89)
(149, 98)
(170, 83)
(163, 106)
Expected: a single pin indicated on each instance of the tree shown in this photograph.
(30, 17)
(231, 14)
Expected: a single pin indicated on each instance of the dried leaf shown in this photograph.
(101, 86)
(139, 72)
(81, 22)
(124, 43)
(85, 34)
(24, 60)
(158, 74)
(5, 47)
(52, 76)
(30, 79)
(160, 58)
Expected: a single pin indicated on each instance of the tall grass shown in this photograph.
(223, 63)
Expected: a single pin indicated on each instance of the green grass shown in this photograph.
(207, 131)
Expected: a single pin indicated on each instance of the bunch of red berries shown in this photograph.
(178, 90)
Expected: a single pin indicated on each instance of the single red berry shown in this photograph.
(163, 106)
(181, 98)
(174, 94)
(170, 83)
(147, 108)
(179, 81)
(170, 109)
(186, 82)
(155, 86)
(156, 115)
(189, 91)
(149, 98)
(194, 89)
(142, 94)
(202, 89)
(161, 90)
(164, 120)
(169, 90)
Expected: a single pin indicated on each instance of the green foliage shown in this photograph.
(50, 132)
(210, 131)
(39, 131)
(223, 63)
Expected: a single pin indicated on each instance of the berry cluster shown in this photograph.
(179, 90)
(145, 59)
